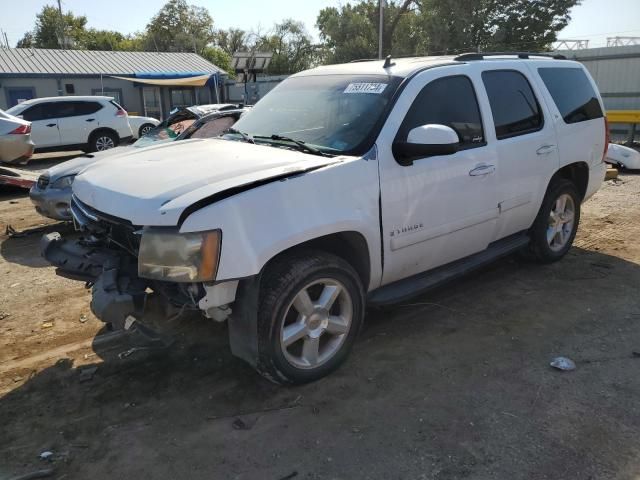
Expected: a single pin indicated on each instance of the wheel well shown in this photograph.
(350, 246)
(97, 131)
(578, 173)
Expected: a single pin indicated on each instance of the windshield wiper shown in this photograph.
(245, 137)
(302, 146)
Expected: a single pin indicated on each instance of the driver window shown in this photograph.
(449, 101)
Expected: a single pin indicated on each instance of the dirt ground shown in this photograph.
(454, 384)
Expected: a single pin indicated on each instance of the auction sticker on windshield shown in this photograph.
(376, 88)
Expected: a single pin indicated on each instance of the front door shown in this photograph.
(152, 102)
(442, 207)
(16, 95)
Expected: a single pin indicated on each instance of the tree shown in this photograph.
(232, 40)
(52, 29)
(180, 27)
(498, 25)
(218, 57)
(291, 46)
(102, 40)
(351, 31)
(441, 26)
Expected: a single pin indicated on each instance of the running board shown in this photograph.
(422, 282)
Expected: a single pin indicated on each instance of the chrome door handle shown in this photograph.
(482, 170)
(545, 149)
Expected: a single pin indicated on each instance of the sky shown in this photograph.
(593, 20)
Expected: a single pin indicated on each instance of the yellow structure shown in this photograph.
(623, 116)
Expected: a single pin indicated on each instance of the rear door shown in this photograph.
(44, 124)
(576, 111)
(443, 207)
(76, 121)
(526, 146)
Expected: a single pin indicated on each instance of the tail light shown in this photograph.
(121, 112)
(607, 138)
(22, 130)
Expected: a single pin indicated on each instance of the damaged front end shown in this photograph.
(106, 259)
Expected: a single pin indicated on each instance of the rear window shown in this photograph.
(572, 93)
(514, 106)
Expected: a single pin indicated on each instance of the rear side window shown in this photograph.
(514, 106)
(572, 93)
(86, 108)
(449, 101)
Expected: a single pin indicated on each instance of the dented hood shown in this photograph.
(153, 186)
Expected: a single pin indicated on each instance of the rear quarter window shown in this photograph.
(572, 93)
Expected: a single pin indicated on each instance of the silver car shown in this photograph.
(51, 194)
(16, 145)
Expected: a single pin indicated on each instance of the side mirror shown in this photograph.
(426, 141)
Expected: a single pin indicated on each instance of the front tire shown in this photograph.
(310, 310)
(557, 222)
(144, 129)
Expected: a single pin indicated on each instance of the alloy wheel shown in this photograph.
(316, 323)
(561, 222)
(104, 143)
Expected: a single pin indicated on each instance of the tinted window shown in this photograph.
(37, 112)
(86, 108)
(572, 93)
(449, 101)
(515, 109)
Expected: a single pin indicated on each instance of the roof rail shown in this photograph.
(524, 55)
(358, 60)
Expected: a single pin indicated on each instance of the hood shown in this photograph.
(75, 165)
(152, 186)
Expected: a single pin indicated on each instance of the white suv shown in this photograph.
(349, 184)
(65, 123)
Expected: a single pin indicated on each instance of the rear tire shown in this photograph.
(555, 227)
(310, 310)
(103, 140)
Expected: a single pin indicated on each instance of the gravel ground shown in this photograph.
(454, 384)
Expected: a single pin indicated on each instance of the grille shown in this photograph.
(119, 231)
(43, 181)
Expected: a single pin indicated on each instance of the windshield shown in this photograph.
(333, 113)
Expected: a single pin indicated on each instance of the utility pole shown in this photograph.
(61, 39)
(381, 27)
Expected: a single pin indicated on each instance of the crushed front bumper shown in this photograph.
(117, 291)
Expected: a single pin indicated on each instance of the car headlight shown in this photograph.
(63, 182)
(179, 257)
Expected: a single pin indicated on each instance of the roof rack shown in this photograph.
(358, 60)
(524, 55)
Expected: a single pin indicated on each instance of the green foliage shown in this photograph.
(180, 27)
(291, 46)
(218, 57)
(419, 27)
(232, 40)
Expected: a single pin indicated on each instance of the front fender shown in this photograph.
(262, 222)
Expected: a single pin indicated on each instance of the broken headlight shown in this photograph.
(179, 257)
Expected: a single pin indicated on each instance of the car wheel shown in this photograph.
(310, 309)
(556, 225)
(103, 141)
(144, 129)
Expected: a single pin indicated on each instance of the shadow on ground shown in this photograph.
(454, 384)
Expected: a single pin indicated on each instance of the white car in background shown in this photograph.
(622, 156)
(140, 126)
(16, 145)
(89, 123)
